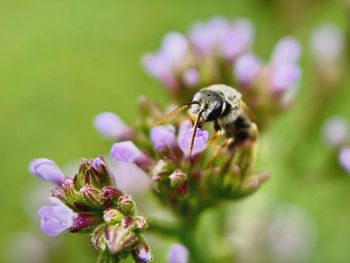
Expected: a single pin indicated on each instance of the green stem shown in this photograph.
(187, 237)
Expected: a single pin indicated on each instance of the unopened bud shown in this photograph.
(111, 195)
(140, 222)
(142, 253)
(98, 237)
(119, 238)
(126, 205)
(101, 167)
(112, 215)
(71, 195)
(93, 197)
(177, 178)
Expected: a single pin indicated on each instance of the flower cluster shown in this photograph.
(336, 134)
(188, 183)
(220, 51)
(90, 202)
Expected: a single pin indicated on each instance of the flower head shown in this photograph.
(209, 52)
(90, 202)
(47, 170)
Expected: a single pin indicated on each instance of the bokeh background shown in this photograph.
(63, 62)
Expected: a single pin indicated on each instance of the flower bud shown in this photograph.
(142, 253)
(98, 237)
(58, 193)
(93, 197)
(140, 222)
(112, 215)
(47, 170)
(126, 205)
(71, 195)
(84, 221)
(127, 222)
(252, 183)
(101, 167)
(111, 195)
(111, 126)
(177, 178)
(119, 238)
(164, 166)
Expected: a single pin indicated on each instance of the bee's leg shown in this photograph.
(248, 161)
(219, 149)
(218, 131)
(254, 144)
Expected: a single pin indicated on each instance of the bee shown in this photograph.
(224, 106)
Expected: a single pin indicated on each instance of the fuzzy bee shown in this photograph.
(224, 106)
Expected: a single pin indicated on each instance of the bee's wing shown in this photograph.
(248, 111)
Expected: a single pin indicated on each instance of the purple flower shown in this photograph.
(55, 218)
(184, 126)
(163, 137)
(158, 66)
(178, 253)
(284, 76)
(287, 50)
(47, 170)
(327, 43)
(344, 158)
(174, 47)
(190, 77)
(335, 131)
(111, 126)
(205, 36)
(127, 152)
(246, 69)
(184, 139)
(237, 39)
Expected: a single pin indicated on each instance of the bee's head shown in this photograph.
(210, 105)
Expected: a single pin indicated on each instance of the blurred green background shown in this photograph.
(63, 62)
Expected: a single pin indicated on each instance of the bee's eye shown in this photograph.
(216, 112)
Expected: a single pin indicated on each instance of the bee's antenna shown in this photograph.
(174, 112)
(195, 125)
